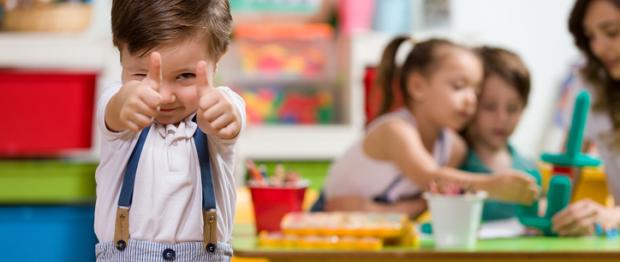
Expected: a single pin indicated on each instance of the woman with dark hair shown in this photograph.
(595, 26)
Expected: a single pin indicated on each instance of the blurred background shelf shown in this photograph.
(323, 142)
(465, 21)
(53, 50)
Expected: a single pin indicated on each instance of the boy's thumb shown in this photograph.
(203, 81)
(154, 73)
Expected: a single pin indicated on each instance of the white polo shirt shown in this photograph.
(167, 197)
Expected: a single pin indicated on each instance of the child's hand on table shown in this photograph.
(216, 113)
(512, 186)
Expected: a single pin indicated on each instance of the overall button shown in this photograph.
(121, 245)
(211, 247)
(169, 254)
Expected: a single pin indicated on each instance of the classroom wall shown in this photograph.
(536, 30)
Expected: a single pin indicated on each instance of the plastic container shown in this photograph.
(276, 7)
(455, 218)
(282, 52)
(356, 15)
(47, 233)
(25, 182)
(393, 16)
(272, 203)
(46, 112)
(373, 95)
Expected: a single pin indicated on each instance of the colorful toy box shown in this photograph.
(46, 182)
(47, 233)
(45, 113)
(279, 105)
(284, 51)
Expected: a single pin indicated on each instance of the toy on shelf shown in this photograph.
(566, 171)
(275, 6)
(292, 51)
(279, 11)
(274, 105)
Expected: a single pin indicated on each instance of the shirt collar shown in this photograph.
(171, 132)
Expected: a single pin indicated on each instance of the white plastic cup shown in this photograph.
(455, 218)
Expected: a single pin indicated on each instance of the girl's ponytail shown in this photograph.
(389, 73)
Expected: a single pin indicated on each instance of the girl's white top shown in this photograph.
(356, 174)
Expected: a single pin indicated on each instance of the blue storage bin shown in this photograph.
(47, 233)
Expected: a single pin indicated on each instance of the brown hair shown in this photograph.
(144, 25)
(605, 88)
(422, 58)
(507, 66)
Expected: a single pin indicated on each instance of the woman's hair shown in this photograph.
(508, 66)
(422, 58)
(606, 89)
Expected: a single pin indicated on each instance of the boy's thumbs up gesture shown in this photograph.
(216, 113)
(137, 101)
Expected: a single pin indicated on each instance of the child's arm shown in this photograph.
(405, 148)
(458, 151)
(413, 207)
(217, 115)
(135, 105)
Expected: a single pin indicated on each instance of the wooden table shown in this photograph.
(514, 249)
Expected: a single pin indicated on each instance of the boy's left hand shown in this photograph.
(216, 114)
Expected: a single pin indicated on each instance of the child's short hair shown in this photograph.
(143, 25)
(507, 66)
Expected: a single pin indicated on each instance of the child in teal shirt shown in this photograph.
(504, 94)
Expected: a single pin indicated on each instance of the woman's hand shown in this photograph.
(579, 218)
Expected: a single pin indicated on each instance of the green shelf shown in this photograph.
(46, 182)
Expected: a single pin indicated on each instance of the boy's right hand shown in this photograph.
(141, 100)
(512, 186)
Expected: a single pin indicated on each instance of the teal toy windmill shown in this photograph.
(566, 170)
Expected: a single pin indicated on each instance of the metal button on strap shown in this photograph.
(121, 245)
(211, 247)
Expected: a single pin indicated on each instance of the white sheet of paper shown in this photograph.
(501, 229)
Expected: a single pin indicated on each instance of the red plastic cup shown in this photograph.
(272, 203)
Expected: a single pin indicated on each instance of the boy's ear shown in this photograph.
(416, 86)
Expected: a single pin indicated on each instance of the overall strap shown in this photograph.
(209, 214)
(121, 227)
(121, 233)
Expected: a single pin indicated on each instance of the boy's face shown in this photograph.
(499, 112)
(177, 88)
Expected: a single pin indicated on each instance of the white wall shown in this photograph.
(536, 30)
